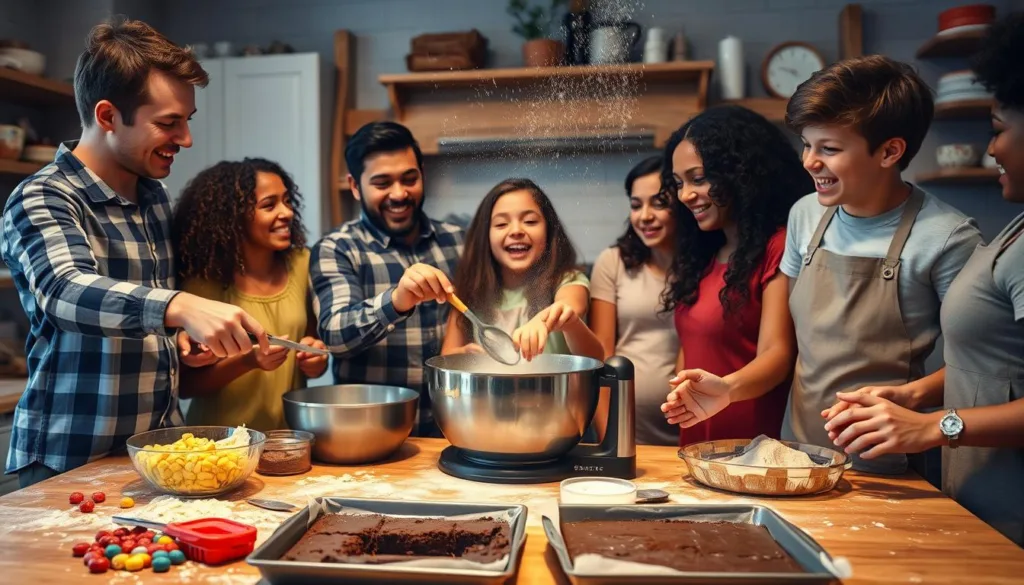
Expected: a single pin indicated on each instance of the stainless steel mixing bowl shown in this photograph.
(353, 423)
(534, 411)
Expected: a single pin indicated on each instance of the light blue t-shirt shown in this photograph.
(513, 312)
(939, 245)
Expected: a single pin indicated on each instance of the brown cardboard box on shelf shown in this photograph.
(447, 51)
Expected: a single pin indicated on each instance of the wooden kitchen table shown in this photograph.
(892, 530)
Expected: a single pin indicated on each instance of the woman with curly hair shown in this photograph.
(239, 239)
(980, 426)
(735, 176)
(625, 289)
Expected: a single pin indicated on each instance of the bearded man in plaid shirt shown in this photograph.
(88, 242)
(381, 281)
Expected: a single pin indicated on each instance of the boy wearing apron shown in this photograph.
(869, 256)
(980, 426)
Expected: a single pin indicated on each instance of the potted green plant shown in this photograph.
(533, 23)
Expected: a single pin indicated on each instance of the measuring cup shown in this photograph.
(496, 343)
(207, 540)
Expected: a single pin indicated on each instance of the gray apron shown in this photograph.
(984, 354)
(851, 334)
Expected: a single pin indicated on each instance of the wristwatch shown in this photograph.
(951, 426)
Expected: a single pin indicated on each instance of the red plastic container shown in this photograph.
(213, 540)
(970, 14)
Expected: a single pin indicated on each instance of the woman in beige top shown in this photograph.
(625, 291)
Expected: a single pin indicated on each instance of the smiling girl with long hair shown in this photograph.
(518, 272)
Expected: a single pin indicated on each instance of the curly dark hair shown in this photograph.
(752, 168)
(478, 275)
(211, 216)
(997, 64)
(633, 251)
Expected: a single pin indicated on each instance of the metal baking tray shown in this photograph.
(277, 572)
(804, 550)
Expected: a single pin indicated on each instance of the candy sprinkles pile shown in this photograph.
(129, 550)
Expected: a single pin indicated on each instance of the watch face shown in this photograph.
(951, 424)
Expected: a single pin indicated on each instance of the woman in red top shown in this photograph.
(735, 176)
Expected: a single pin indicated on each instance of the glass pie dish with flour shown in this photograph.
(765, 466)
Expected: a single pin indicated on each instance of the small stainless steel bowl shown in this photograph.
(353, 423)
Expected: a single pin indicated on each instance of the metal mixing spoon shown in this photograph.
(496, 343)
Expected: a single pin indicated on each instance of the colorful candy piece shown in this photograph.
(86, 507)
(161, 564)
(134, 563)
(129, 543)
(171, 546)
(165, 539)
(80, 549)
(102, 533)
(146, 559)
(99, 565)
(118, 562)
(127, 502)
(159, 553)
(76, 498)
(122, 532)
(99, 497)
(139, 550)
(177, 557)
(112, 551)
(139, 530)
(90, 556)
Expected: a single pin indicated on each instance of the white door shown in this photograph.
(272, 111)
(207, 128)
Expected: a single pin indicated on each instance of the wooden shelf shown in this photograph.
(960, 176)
(548, 107)
(18, 167)
(650, 72)
(964, 109)
(33, 90)
(774, 109)
(960, 44)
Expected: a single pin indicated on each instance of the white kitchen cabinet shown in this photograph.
(267, 107)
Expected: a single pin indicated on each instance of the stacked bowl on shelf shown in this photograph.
(963, 85)
(959, 86)
(971, 17)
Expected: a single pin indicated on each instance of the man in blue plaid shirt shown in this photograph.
(381, 281)
(88, 242)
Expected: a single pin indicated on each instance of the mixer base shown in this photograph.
(455, 463)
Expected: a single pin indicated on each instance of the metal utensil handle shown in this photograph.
(292, 345)
(139, 522)
(462, 308)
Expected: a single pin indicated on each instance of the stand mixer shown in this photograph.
(523, 423)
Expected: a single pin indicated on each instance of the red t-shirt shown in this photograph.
(722, 344)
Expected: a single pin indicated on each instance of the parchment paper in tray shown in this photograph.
(810, 556)
(317, 509)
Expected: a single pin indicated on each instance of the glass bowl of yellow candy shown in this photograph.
(196, 461)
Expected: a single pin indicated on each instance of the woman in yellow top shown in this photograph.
(239, 239)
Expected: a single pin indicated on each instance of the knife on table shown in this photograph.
(292, 344)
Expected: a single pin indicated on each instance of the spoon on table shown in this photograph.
(496, 343)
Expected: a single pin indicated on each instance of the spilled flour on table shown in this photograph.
(70, 525)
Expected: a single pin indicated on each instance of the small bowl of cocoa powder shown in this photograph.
(286, 452)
